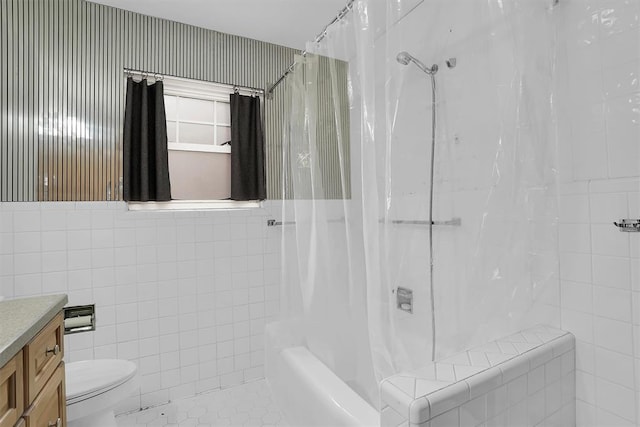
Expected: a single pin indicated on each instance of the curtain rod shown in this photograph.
(319, 37)
(159, 76)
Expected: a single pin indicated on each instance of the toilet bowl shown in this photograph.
(95, 387)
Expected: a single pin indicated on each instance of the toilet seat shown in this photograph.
(97, 385)
(88, 378)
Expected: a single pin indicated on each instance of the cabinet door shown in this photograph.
(42, 356)
(11, 394)
(49, 409)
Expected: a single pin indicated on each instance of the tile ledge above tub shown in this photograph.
(419, 396)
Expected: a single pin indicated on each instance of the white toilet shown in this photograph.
(95, 387)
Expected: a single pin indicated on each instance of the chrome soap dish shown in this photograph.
(628, 225)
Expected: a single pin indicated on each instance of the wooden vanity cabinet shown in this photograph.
(42, 356)
(49, 407)
(32, 388)
(11, 391)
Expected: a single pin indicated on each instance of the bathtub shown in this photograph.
(307, 392)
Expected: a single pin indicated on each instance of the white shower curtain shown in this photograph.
(357, 152)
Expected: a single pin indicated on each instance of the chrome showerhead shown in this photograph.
(405, 57)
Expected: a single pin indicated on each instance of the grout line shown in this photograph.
(633, 335)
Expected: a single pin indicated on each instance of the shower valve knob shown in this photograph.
(404, 299)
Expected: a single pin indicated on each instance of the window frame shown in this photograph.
(200, 90)
(179, 89)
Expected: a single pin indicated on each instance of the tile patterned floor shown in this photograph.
(244, 405)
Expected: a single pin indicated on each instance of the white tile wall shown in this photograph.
(599, 265)
(185, 295)
(600, 300)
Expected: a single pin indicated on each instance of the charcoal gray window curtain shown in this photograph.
(145, 156)
(247, 149)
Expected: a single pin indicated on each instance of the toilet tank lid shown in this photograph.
(88, 376)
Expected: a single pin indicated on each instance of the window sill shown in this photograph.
(193, 205)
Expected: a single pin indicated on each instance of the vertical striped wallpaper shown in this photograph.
(324, 82)
(332, 132)
(62, 91)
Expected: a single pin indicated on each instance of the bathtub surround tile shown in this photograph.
(474, 412)
(575, 267)
(604, 206)
(535, 380)
(497, 358)
(580, 324)
(448, 398)
(574, 209)
(606, 418)
(523, 347)
(535, 408)
(615, 367)
(458, 359)
(539, 356)
(604, 242)
(478, 359)
(390, 418)
(426, 387)
(563, 345)
(445, 372)
(451, 418)
(585, 387)
(394, 397)
(484, 381)
(611, 271)
(513, 368)
(462, 371)
(524, 387)
(576, 296)
(616, 399)
(614, 335)
(612, 303)
(575, 238)
(507, 348)
(553, 370)
(419, 409)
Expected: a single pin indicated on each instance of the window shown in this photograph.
(199, 145)
(199, 135)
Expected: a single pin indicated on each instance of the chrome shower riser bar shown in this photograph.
(405, 58)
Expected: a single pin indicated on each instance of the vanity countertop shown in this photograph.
(21, 319)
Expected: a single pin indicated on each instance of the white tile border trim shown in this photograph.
(427, 392)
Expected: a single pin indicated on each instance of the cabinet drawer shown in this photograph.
(50, 407)
(41, 357)
(11, 394)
